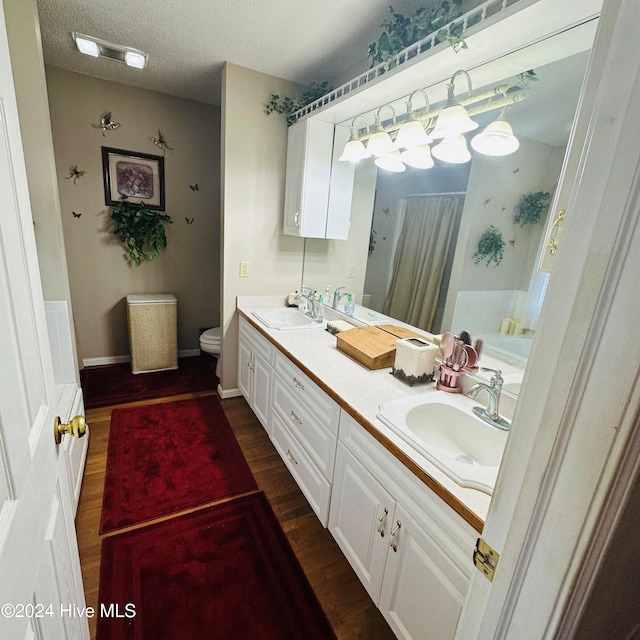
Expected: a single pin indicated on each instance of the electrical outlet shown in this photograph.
(351, 271)
(245, 269)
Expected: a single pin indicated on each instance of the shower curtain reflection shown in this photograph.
(425, 241)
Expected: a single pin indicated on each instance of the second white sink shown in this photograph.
(444, 429)
(286, 318)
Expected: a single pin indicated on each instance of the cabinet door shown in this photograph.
(261, 390)
(423, 591)
(308, 176)
(244, 368)
(360, 518)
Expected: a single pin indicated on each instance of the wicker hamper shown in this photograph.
(153, 328)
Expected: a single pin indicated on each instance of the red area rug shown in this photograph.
(222, 572)
(168, 457)
(115, 384)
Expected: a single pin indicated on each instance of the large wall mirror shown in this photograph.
(446, 288)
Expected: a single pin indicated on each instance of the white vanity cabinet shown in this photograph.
(411, 552)
(317, 201)
(255, 355)
(305, 431)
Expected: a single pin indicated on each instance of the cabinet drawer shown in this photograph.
(316, 488)
(317, 401)
(256, 340)
(309, 429)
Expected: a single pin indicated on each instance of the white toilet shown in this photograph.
(210, 343)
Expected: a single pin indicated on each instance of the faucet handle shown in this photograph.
(496, 379)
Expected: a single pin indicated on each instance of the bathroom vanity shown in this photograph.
(407, 529)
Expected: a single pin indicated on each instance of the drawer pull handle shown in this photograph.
(385, 513)
(394, 545)
(290, 456)
(298, 384)
(295, 418)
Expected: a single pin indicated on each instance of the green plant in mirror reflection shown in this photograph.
(490, 247)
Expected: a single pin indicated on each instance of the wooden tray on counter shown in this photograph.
(370, 346)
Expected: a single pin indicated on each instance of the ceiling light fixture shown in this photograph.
(101, 48)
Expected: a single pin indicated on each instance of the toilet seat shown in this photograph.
(210, 343)
(211, 336)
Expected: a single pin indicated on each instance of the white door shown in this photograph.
(573, 453)
(41, 592)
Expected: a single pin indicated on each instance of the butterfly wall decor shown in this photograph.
(189, 220)
(76, 215)
(106, 124)
(160, 142)
(75, 173)
(194, 187)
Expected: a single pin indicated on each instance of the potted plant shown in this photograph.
(399, 31)
(490, 247)
(531, 207)
(288, 106)
(140, 229)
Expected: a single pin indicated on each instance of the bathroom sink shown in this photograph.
(444, 429)
(286, 318)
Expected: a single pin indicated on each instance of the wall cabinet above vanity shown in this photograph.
(317, 200)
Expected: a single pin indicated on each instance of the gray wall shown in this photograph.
(100, 274)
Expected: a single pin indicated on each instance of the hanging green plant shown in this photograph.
(140, 229)
(531, 207)
(288, 106)
(490, 247)
(399, 31)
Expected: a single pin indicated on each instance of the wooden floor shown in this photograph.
(345, 601)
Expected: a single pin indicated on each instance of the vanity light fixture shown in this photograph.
(412, 133)
(412, 140)
(497, 139)
(380, 142)
(454, 119)
(102, 49)
(391, 161)
(453, 150)
(418, 157)
(354, 150)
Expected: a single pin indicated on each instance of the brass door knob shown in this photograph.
(77, 428)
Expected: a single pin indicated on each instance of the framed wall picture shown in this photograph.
(138, 176)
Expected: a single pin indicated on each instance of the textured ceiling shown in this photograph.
(189, 40)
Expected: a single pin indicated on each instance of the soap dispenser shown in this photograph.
(319, 317)
(349, 306)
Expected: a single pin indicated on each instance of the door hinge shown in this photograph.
(485, 559)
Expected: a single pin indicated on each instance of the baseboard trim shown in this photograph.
(96, 362)
(223, 394)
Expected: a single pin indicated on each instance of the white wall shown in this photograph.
(254, 149)
(494, 191)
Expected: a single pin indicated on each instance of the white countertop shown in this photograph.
(359, 390)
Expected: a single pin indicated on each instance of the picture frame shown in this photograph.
(138, 176)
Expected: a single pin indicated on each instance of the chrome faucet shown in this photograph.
(491, 413)
(310, 299)
(337, 296)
